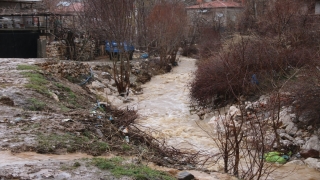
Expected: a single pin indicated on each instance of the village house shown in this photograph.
(218, 14)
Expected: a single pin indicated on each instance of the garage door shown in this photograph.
(17, 44)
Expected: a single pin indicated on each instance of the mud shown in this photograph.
(29, 165)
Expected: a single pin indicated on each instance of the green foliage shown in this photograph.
(68, 168)
(119, 168)
(71, 95)
(73, 143)
(30, 126)
(63, 87)
(37, 82)
(76, 164)
(72, 98)
(126, 147)
(36, 105)
(100, 146)
(72, 79)
(35, 77)
(27, 67)
(64, 108)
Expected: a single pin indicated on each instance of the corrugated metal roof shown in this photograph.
(63, 3)
(215, 4)
(69, 7)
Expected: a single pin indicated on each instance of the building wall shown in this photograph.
(218, 16)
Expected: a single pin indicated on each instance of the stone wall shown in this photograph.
(58, 50)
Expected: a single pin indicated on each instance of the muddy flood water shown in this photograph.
(164, 106)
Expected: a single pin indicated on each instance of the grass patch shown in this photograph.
(64, 108)
(72, 143)
(126, 147)
(72, 98)
(74, 166)
(36, 105)
(27, 67)
(31, 126)
(72, 95)
(37, 82)
(118, 168)
(63, 87)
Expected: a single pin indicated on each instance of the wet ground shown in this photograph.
(29, 165)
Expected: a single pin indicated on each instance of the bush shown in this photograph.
(190, 50)
(305, 98)
(247, 65)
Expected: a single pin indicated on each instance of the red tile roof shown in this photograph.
(215, 4)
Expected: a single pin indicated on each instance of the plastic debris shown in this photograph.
(144, 56)
(67, 120)
(125, 130)
(127, 139)
(91, 75)
(275, 157)
(17, 119)
(254, 79)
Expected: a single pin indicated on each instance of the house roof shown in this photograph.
(63, 6)
(215, 4)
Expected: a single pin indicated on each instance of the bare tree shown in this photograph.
(167, 23)
(113, 20)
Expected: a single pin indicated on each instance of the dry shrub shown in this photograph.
(209, 41)
(247, 65)
(305, 97)
(190, 50)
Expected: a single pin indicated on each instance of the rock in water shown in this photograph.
(312, 143)
(185, 176)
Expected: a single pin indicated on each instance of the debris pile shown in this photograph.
(66, 69)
